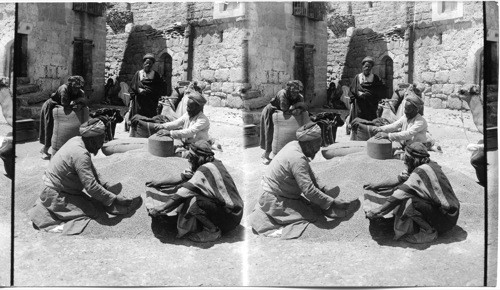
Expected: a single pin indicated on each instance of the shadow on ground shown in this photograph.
(382, 232)
(164, 229)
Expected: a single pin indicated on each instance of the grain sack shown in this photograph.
(143, 130)
(123, 145)
(343, 149)
(363, 132)
(67, 124)
(285, 127)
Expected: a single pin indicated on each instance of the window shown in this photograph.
(313, 10)
(96, 9)
(444, 10)
(228, 9)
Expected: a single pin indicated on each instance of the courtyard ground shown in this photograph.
(133, 252)
(5, 214)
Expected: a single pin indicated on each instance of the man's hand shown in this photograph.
(382, 135)
(158, 127)
(377, 130)
(152, 183)
(156, 211)
(370, 186)
(163, 132)
(121, 200)
(373, 214)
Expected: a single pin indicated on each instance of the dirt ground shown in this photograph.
(128, 252)
(5, 214)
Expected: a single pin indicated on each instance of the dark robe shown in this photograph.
(146, 103)
(366, 107)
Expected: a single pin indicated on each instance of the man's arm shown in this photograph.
(418, 126)
(173, 125)
(393, 127)
(200, 124)
(301, 172)
(83, 167)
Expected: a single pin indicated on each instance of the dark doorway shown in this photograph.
(82, 62)
(21, 45)
(387, 75)
(304, 68)
(165, 68)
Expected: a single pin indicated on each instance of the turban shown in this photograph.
(76, 81)
(197, 97)
(415, 100)
(149, 56)
(308, 132)
(417, 150)
(201, 148)
(368, 59)
(299, 84)
(292, 85)
(93, 127)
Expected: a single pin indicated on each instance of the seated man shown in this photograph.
(424, 202)
(292, 196)
(410, 128)
(191, 127)
(208, 200)
(73, 193)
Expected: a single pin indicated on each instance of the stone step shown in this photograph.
(22, 80)
(29, 112)
(26, 89)
(32, 98)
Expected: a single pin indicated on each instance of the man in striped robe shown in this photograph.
(207, 201)
(424, 202)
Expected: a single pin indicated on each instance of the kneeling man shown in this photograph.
(207, 201)
(73, 193)
(423, 200)
(292, 197)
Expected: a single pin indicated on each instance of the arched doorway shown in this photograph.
(165, 67)
(387, 75)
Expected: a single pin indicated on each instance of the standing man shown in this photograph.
(292, 196)
(365, 92)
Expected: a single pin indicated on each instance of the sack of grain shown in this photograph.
(123, 145)
(143, 129)
(343, 149)
(67, 124)
(285, 127)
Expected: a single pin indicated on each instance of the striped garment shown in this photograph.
(213, 181)
(429, 182)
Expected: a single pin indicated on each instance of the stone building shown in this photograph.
(438, 45)
(56, 40)
(7, 18)
(244, 50)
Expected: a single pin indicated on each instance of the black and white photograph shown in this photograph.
(265, 144)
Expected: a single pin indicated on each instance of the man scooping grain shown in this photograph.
(292, 196)
(73, 193)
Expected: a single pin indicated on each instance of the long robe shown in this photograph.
(366, 107)
(282, 101)
(210, 200)
(146, 103)
(63, 96)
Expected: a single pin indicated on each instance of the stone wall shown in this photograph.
(272, 34)
(440, 56)
(50, 49)
(7, 18)
(159, 15)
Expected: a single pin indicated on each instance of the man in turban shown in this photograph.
(206, 198)
(422, 200)
(146, 88)
(189, 128)
(292, 196)
(410, 128)
(73, 192)
(69, 95)
(365, 92)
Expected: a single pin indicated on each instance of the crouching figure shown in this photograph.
(207, 201)
(422, 198)
(293, 197)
